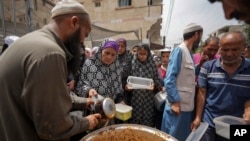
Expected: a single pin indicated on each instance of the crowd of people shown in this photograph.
(54, 76)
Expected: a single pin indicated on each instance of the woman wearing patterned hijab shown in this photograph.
(125, 59)
(142, 101)
(102, 73)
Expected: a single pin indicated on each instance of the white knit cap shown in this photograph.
(68, 7)
(191, 28)
(166, 49)
(10, 39)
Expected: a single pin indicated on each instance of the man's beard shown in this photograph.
(196, 45)
(73, 46)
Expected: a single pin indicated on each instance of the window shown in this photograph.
(124, 3)
(21, 19)
(44, 3)
(97, 4)
(150, 2)
(35, 5)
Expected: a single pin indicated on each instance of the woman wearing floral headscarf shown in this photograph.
(142, 101)
(102, 73)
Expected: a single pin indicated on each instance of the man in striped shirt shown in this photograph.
(224, 85)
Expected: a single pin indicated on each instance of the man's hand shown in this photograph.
(204, 58)
(246, 115)
(93, 120)
(176, 108)
(195, 124)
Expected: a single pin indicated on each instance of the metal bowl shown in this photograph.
(160, 100)
(118, 127)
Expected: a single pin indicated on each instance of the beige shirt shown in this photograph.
(34, 99)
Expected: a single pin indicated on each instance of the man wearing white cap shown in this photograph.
(180, 85)
(35, 103)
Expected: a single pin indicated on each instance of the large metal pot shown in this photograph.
(152, 132)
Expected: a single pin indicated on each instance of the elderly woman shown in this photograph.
(102, 73)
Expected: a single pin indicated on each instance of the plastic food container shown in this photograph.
(139, 82)
(222, 124)
(123, 112)
(198, 133)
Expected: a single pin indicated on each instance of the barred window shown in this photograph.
(124, 3)
(97, 4)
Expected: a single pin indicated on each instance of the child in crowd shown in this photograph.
(162, 70)
(165, 53)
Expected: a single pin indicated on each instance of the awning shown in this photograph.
(98, 33)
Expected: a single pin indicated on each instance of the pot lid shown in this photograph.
(109, 107)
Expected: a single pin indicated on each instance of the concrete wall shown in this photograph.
(40, 16)
(109, 15)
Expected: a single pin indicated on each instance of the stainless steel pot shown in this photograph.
(148, 130)
(104, 106)
(160, 100)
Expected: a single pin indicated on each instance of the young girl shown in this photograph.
(142, 101)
